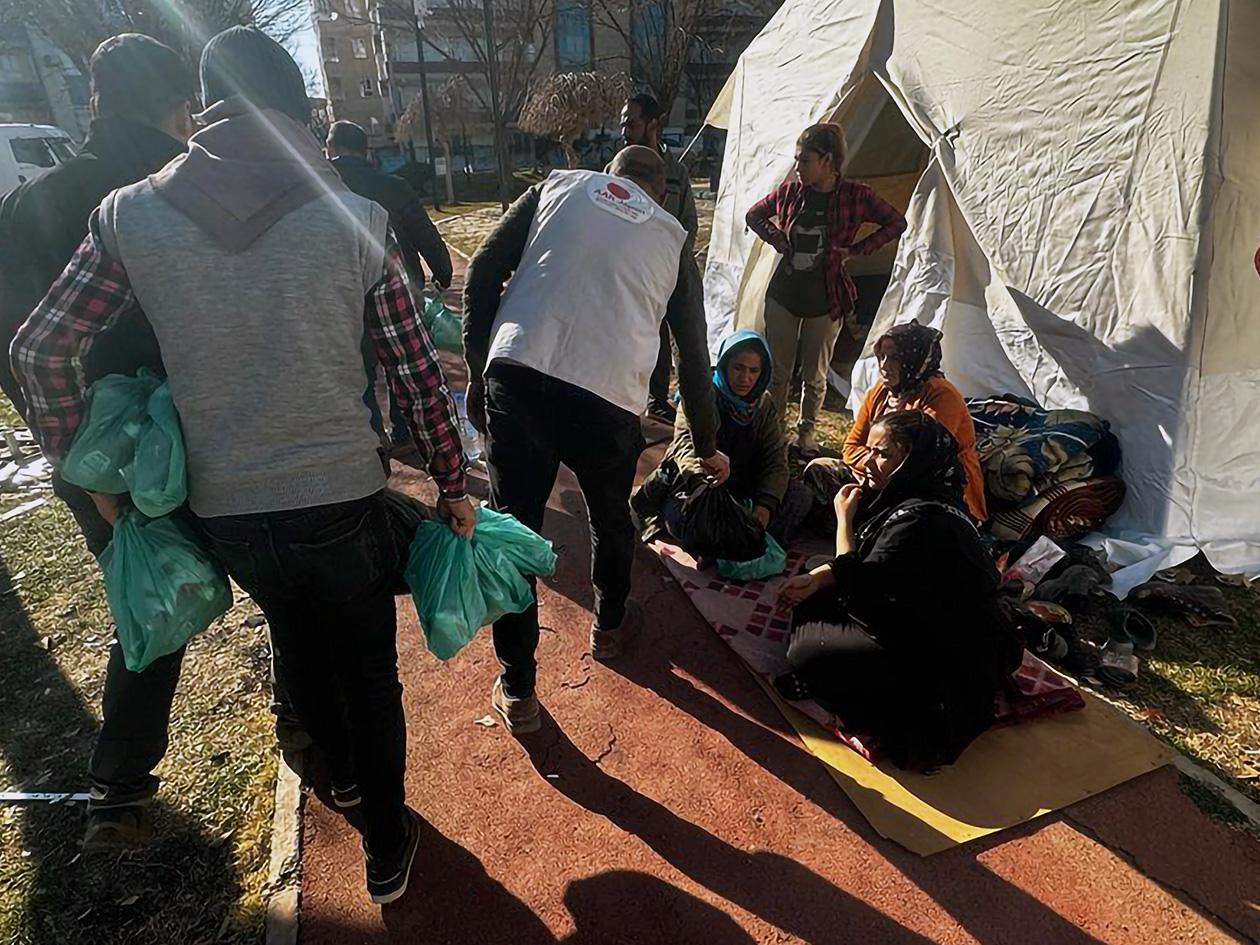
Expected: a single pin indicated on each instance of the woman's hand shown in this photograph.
(847, 502)
(846, 508)
(797, 589)
(762, 515)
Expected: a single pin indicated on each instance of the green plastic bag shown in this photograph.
(444, 326)
(105, 445)
(162, 585)
(157, 478)
(770, 564)
(460, 586)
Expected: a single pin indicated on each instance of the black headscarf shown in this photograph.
(930, 472)
(917, 349)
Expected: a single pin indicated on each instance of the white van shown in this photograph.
(28, 151)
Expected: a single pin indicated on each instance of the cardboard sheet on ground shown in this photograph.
(1006, 777)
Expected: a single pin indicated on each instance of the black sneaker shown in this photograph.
(387, 879)
(662, 411)
(346, 795)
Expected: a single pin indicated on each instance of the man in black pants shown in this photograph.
(347, 149)
(559, 367)
(142, 104)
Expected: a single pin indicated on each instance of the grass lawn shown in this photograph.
(203, 879)
(457, 209)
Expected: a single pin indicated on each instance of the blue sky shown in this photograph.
(303, 45)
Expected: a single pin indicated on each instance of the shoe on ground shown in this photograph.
(117, 829)
(387, 878)
(662, 411)
(346, 796)
(291, 735)
(520, 716)
(806, 446)
(609, 644)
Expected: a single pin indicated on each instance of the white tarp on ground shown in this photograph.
(1084, 230)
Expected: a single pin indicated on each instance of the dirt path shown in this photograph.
(667, 801)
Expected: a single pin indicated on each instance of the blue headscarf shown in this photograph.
(740, 410)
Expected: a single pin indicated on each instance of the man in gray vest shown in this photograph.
(259, 272)
(559, 366)
(641, 120)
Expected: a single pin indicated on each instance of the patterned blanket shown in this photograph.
(745, 615)
(1025, 450)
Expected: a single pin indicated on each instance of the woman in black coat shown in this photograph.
(901, 635)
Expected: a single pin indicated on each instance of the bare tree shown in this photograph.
(77, 27)
(522, 27)
(564, 106)
(665, 36)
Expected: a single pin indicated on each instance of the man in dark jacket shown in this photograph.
(142, 104)
(641, 121)
(417, 237)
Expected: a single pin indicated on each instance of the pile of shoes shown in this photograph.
(1048, 609)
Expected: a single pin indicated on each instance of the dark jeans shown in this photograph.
(658, 383)
(136, 707)
(536, 423)
(398, 431)
(324, 579)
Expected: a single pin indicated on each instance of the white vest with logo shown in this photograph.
(586, 303)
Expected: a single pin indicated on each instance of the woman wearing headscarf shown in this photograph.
(901, 635)
(910, 378)
(748, 433)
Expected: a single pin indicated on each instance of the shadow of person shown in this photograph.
(772, 887)
(185, 880)
(989, 907)
(623, 907)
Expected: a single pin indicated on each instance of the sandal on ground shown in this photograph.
(792, 687)
(1201, 606)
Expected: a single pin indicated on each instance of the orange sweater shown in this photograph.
(941, 401)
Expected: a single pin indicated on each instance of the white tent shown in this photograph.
(1082, 231)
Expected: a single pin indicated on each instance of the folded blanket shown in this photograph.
(1025, 449)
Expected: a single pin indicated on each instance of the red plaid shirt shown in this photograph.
(93, 293)
(851, 205)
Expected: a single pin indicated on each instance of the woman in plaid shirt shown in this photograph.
(812, 222)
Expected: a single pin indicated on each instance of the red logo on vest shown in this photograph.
(618, 191)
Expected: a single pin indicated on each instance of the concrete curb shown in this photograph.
(1232, 796)
(284, 874)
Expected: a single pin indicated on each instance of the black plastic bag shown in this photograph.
(708, 522)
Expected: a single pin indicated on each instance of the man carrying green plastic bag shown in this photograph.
(130, 442)
(460, 586)
(162, 585)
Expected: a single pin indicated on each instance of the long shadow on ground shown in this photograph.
(61, 897)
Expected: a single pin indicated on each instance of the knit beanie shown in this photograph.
(247, 62)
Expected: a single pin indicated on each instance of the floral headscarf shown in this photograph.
(917, 349)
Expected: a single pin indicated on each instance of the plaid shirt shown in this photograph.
(851, 205)
(93, 293)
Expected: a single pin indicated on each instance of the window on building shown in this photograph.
(573, 35)
(359, 47)
(365, 88)
(329, 46)
(335, 91)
